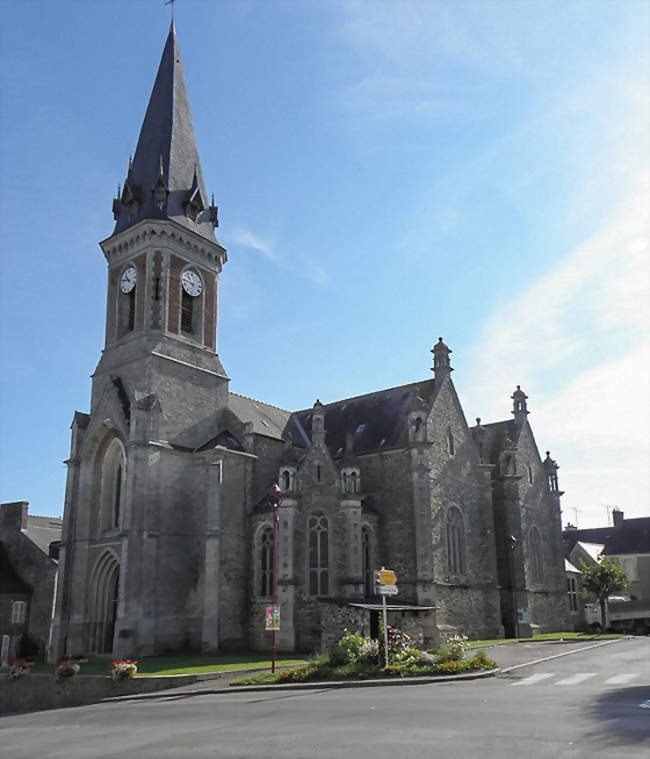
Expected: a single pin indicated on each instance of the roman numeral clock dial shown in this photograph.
(127, 280)
(191, 283)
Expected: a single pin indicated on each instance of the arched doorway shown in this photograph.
(103, 603)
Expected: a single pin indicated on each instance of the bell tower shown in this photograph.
(164, 263)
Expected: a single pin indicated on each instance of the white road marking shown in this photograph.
(620, 679)
(575, 679)
(534, 678)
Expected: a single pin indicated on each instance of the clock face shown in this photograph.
(191, 283)
(127, 281)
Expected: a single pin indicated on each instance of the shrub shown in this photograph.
(348, 647)
(456, 647)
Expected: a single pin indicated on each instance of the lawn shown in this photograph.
(149, 666)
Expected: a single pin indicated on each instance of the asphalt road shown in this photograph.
(587, 704)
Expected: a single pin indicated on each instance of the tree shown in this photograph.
(602, 580)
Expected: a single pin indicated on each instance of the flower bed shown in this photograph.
(356, 657)
(66, 668)
(121, 669)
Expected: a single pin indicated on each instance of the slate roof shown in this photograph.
(167, 135)
(632, 536)
(377, 421)
(42, 531)
(496, 436)
(10, 580)
(266, 419)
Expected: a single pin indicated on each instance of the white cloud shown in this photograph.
(247, 238)
(301, 265)
(578, 342)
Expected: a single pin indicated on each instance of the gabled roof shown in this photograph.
(568, 567)
(377, 421)
(42, 531)
(632, 536)
(166, 156)
(593, 550)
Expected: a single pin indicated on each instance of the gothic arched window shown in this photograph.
(286, 480)
(455, 542)
(450, 443)
(367, 560)
(354, 482)
(536, 555)
(318, 555)
(530, 474)
(112, 485)
(265, 578)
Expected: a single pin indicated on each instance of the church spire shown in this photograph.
(165, 180)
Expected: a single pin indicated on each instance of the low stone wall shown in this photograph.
(32, 693)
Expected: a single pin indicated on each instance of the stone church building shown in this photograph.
(167, 535)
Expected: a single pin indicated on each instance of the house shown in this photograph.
(27, 580)
(626, 540)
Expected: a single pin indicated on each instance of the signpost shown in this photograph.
(386, 585)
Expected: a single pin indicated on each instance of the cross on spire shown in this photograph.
(171, 4)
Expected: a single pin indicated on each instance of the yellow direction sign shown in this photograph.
(385, 577)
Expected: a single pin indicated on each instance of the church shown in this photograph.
(167, 536)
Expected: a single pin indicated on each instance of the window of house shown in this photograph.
(265, 586)
(530, 474)
(318, 555)
(455, 542)
(18, 612)
(450, 443)
(572, 590)
(367, 562)
(354, 482)
(536, 555)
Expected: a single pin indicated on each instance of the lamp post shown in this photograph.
(274, 495)
(513, 545)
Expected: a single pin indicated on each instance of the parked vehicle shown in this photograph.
(623, 615)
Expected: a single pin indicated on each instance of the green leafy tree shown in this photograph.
(602, 580)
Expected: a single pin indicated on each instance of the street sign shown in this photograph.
(272, 617)
(387, 590)
(385, 577)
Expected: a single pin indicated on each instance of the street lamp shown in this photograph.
(274, 495)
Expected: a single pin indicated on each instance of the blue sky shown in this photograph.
(386, 172)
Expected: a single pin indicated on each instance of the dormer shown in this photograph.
(159, 191)
(193, 203)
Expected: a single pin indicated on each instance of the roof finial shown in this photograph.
(171, 4)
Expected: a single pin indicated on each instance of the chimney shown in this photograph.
(618, 516)
(13, 516)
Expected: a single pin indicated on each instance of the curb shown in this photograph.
(564, 653)
(322, 685)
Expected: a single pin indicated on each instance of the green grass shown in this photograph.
(546, 636)
(150, 666)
